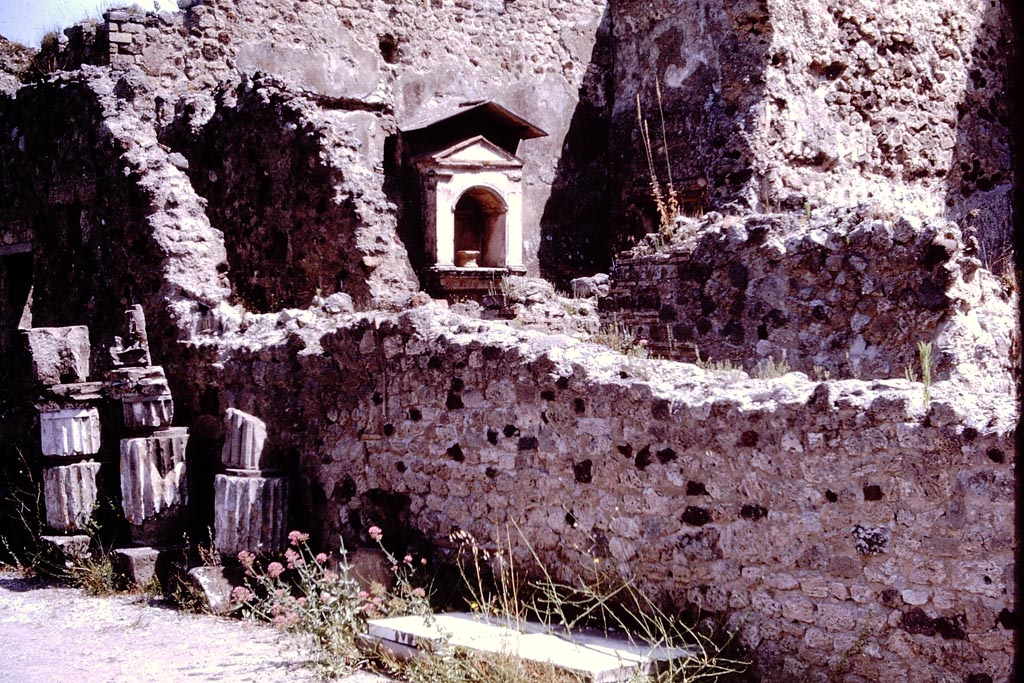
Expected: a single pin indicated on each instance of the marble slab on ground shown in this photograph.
(600, 659)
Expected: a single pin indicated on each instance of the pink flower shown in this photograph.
(419, 593)
(321, 558)
(375, 533)
(293, 558)
(297, 537)
(245, 558)
(275, 569)
(407, 559)
(241, 594)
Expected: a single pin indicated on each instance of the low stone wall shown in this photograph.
(842, 526)
(843, 294)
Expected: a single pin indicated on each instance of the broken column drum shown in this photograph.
(153, 475)
(154, 484)
(69, 431)
(70, 493)
(250, 508)
(69, 425)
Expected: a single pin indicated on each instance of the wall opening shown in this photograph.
(15, 306)
(480, 229)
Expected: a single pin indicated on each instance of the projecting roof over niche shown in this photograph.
(469, 119)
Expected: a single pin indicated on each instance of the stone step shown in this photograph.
(249, 513)
(597, 658)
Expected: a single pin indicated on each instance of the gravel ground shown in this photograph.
(50, 634)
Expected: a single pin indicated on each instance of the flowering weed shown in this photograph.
(310, 595)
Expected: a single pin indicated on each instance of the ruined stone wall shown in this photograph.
(841, 526)
(844, 293)
(412, 61)
(305, 215)
(112, 222)
(709, 61)
(782, 104)
(767, 103)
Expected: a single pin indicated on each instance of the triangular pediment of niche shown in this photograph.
(476, 151)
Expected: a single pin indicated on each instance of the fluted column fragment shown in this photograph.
(153, 474)
(250, 513)
(69, 432)
(245, 436)
(70, 493)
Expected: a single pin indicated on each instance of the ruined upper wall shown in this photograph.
(410, 61)
(778, 103)
(771, 103)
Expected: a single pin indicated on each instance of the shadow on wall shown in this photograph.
(574, 226)
(980, 183)
(709, 61)
(92, 252)
(288, 235)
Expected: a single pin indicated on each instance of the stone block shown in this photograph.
(137, 382)
(250, 513)
(133, 349)
(135, 566)
(70, 432)
(148, 413)
(138, 567)
(120, 38)
(215, 585)
(60, 355)
(153, 482)
(59, 550)
(70, 493)
(244, 438)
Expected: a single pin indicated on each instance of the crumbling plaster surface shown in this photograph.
(779, 103)
(816, 515)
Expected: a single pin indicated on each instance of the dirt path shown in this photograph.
(50, 634)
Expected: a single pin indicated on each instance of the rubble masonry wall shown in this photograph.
(839, 525)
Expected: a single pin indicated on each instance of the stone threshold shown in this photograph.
(597, 658)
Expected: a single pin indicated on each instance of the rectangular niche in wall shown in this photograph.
(471, 195)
